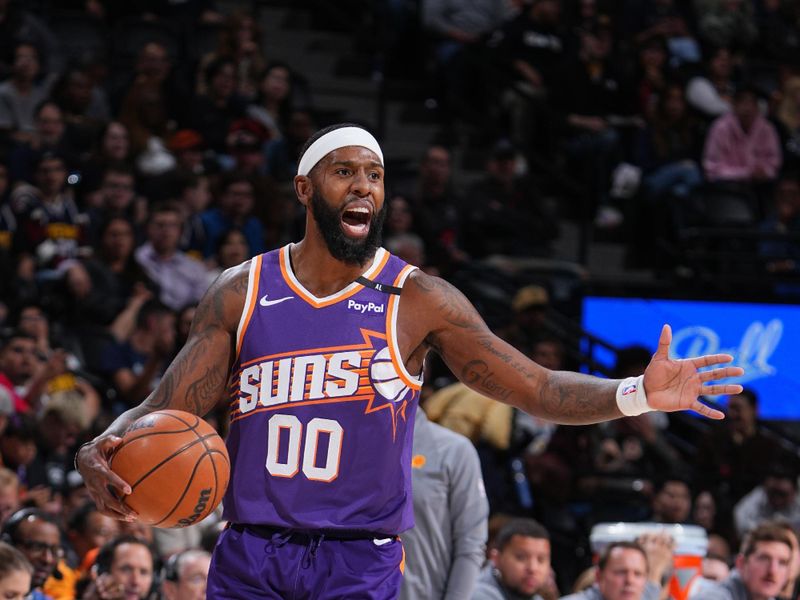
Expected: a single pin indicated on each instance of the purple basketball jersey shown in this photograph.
(322, 407)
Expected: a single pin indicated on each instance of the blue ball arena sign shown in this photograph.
(764, 339)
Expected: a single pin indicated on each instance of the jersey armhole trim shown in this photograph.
(250, 302)
(415, 383)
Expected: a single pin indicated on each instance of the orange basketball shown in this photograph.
(177, 467)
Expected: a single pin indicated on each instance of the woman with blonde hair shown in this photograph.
(15, 573)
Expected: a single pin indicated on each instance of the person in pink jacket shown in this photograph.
(742, 145)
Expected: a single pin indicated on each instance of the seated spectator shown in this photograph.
(180, 279)
(18, 450)
(715, 568)
(669, 149)
(782, 254)
(117, 197)
(732, 455)
(792, 587)
(645, 19)
(38, 537)
(592, 94)
(18, 23)
(529, 318)
(282, 153)
(726, 22)
(778, 42)
(787, 123)
(625, 570)
(154, 71)
(144, 113)
(762, 568)
(9, 494)
(60, 425)
(193, 196)
(74, 92)
(211, 114)
(519, 563)
(233, 250)
(50, 136)
(184, 575)
(652, 55)
(135, 365)
(714, 516)
(112, 147)
(189, 149)
(742, 146)
(107, 290)
(26, 374)
(672, 500)
(504, 214)
(531, 49)
(234, 210)
(244, 148)
(240, 39)
(711, 93)
(435, 205)
(15, 573)
(23, 92)
(775, 498)
(457, 31)
(124, 568)
(446, 547)
(54, 228)
(88, 529)
(273, 104)
(399, 236)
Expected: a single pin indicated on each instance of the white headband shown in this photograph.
(338, 138)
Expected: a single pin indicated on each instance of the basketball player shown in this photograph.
(318, 347)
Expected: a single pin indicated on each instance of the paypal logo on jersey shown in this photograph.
(365, 307)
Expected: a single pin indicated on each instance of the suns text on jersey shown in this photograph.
(304, 378)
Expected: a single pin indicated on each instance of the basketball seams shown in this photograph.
(157, 466)
(179, 501)
(158, 489)
(164, 413)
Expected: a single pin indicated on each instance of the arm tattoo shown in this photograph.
(486, 343)
(478, 374)
(567, 397)
(202, 389)
(450, 303)
(204, 392)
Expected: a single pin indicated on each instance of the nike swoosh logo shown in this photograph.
(265, 302)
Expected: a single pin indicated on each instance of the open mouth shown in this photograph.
(355, 220)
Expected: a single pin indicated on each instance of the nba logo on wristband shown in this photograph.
(631, 399)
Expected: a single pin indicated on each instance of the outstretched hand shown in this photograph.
(673, 385)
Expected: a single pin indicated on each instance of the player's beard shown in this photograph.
(341, 247)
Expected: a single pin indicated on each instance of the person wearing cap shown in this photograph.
(321, 362)
(528, 317)
(188, 147)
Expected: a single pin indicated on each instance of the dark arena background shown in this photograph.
(584, 171)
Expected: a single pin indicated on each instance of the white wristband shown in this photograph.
(631, 398)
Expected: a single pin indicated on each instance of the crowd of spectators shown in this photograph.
(132, 175)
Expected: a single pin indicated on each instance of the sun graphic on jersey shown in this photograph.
(392, 390)
(385, 378)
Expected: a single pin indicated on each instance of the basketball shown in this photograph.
(177, 467)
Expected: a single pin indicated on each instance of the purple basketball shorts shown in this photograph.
(299, 566)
